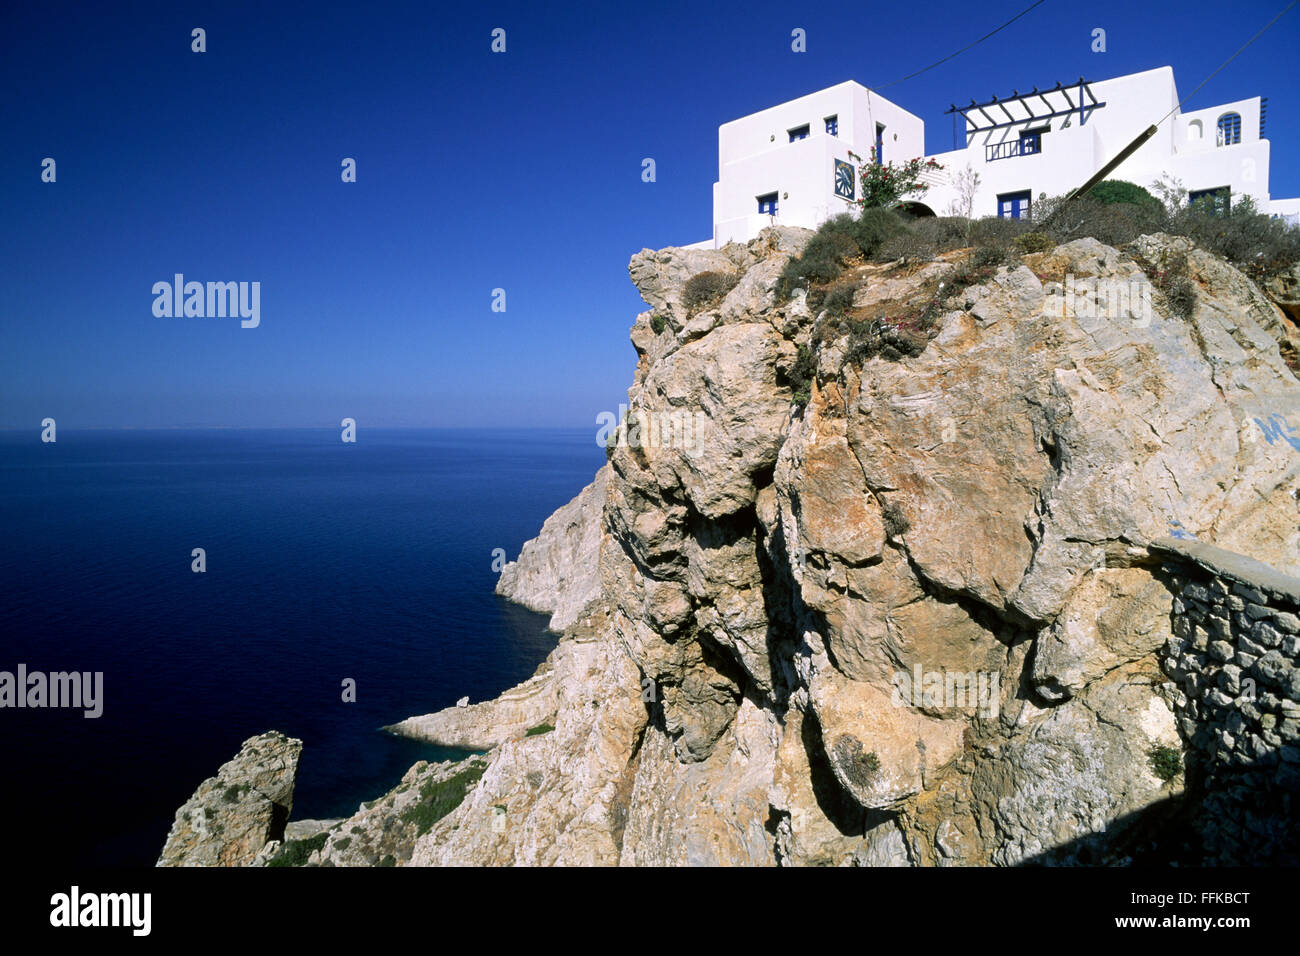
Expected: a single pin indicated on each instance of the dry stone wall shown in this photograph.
(1235, 655)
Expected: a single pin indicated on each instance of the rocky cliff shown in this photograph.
(913, 620)
(233, 816)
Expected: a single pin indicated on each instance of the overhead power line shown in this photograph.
(965, 48)
(1266, 28)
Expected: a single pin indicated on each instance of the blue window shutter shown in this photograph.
(1014, 205)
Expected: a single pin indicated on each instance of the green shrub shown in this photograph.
(1114, 223)
(1119, 191)
(801, 375)
(890, 338)
(344, 843)
(874, 227)
(839, 298)
(439, 798)
(923, 239)
(838, 240)
(296, 852)
(993, 230)
(1257, 244)
(1166, 762)
(989, 257)
(1033, 242)
(658, 323)
(912, 245)
(801, 271)
(538, 730)
(387, 861)
(708, 288)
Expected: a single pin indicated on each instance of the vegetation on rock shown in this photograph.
(1166, 762)
(439, 797)
(296, 852)
(707, 288)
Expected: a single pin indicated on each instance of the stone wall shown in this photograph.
(1235, 656)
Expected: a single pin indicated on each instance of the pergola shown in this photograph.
(1021, 108)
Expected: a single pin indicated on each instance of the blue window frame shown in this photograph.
(1229, 129)
(1031, 141)
(833, 125)
(1014, 205)
(1215, 200)
(798, 133)
(767, 204)
(880, 143)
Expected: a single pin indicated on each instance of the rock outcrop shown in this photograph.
(233, 816)
(556, 571)
(915, 621)
(975, 518)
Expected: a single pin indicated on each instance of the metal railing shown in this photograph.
(1009, 148)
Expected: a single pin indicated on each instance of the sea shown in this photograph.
(324, 562)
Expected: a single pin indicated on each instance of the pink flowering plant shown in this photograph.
(884, 184)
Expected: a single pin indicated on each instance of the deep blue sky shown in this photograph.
(476, 171)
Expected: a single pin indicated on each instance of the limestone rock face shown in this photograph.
(914, 623)
(1285, 291)
(232, 816)
(556, 571)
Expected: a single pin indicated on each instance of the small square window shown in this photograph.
(1216, 201)
(1014, 205)
(833, 125)
(800, 132)
(767, 204)
(1031, 141)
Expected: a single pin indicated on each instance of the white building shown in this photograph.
(796, 163)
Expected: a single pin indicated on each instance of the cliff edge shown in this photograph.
(896, 605)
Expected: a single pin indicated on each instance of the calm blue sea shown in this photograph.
(325, 561)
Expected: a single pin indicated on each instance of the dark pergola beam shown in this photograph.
(1083, 107)
(973, 129)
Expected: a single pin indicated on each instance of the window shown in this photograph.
(767, 204)
(1195, 131)
(833, 125)
(1229, 129)
(1214, 201)
(880, 143)
(1029, 143)
(1014, 205)
(798, 133)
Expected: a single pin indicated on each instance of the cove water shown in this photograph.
(325, 562)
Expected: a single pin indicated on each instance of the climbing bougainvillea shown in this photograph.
(884, 184)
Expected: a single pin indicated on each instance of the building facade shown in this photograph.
(796, 163)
